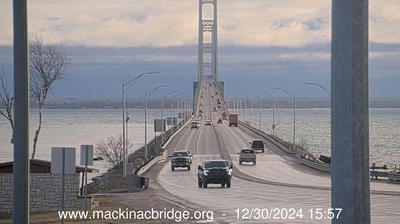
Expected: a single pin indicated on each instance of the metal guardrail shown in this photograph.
(312, 164)
(269, 138)
(326, 168)
(163, 156)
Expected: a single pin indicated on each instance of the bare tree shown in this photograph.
(6, 101)
(112, 150)
(48, 64)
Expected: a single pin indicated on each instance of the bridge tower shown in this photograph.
(208, 40)
(207, 48)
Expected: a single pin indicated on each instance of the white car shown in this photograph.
(208, 122)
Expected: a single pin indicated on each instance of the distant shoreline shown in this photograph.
(155, 103)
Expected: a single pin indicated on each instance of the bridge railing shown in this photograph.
(303, 156)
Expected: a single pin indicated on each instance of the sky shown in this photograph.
(263, 44)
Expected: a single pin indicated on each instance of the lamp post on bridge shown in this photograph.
(178, 93)
(273, 111)
(146, 95)
(259, 107)
(294, 115)
(162, 110)
(326, 90)
(125, 87)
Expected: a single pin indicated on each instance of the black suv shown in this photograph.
(257, 145)
(181, 159)
(214, 172)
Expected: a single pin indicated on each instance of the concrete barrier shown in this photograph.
(164, 156)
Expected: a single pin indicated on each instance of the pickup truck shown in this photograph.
(181, 158)
(247, 155)
(214, 172)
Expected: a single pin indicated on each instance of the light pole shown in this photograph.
(146, 95)
(162, 115)
(125, 87)
(172, 106)
(273, 112)
(259, 107)
(326, 90)
(294, 115)
(245, 109)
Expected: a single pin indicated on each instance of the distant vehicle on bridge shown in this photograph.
(233, 120)
(248, 156)
(219, 121)
(208, 122)
(214, 172)
(257, 145)
(194, 125)
(181, 158)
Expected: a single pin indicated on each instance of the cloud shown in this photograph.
(163, 23)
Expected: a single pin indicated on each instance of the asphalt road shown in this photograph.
(207, 142)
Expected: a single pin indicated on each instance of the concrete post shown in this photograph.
(21, 115)
(349, 111)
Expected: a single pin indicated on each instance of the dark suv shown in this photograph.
(181, 159)
(214, 172)
(257, 144)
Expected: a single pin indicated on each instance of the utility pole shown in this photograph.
(350, 111)
(21, 170)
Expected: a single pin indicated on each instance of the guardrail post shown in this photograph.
(349, 111)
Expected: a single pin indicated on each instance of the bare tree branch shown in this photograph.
(48, 64)
(112, 150)
(6, 101)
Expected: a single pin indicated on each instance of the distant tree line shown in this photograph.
(155, 103)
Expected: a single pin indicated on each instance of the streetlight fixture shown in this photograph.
(125, 87)
(146, 95)
(294, 115)
(259, 107)
(172, 101)
(162, 109)
(273, 111)
(326, 90)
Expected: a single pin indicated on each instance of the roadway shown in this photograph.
(292, 185)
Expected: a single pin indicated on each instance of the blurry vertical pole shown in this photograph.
(20, 213)
(215, 43)
(123, 132)
(251, 110)
(294, 123)
(245, 110)
(349, 111)
(145, 126)
(199, 46)
(162, 121)
(260, 107)
(273, 112)
(294, 115)
(273, 117)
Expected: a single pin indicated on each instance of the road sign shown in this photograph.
(172, 120)
(159, 125)
(87, 155)
(58, 158)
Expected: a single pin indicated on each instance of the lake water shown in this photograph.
(313, 130)
(72, 128)
(75, 127)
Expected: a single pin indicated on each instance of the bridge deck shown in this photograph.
(209, 141)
